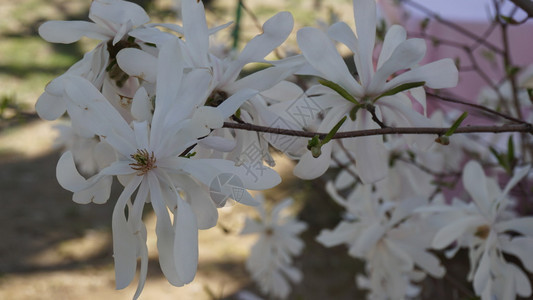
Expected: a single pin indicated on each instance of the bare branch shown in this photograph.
(382, 131)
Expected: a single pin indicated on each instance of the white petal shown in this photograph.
(255, 177)
(67, 175)
(98, 193)
(310, 168)
(143, 253)
(261, 80)
(138, 63)
(200, 201)
(521, 281)
(419, 94)
(341, 32)
(165, 232)
(124, 241)
(118, 12)
(195, 29)
(340, 235)
(405, 56)
(475, 183)
(426, 261)
(521, 225)
(208, 117)
(141, 106)
(67, 32)
(367, 240)
(275, 31)
(169, 74)
(218, 143)
(395, 35)
(152, 35)
(370, 153)
(482, 275)
(185, 242)
(141, 131)
(451, 232)
(230, 106)
(98, 114)
(320, 52)
(50, 107)
(437, 75)
(365, 26)
(521, 247)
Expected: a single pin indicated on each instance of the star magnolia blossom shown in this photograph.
(397, 54)
(271, 256)
(225, 81)
(485, 229)
(113, 19)
(149, 160)
(387, 236)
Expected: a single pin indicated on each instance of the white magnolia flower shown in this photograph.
(387, 235)
(226, 82)
(270, 260)
(397, 54)
(86, 150)
(150, 159)
(113, 20)
(488, 230)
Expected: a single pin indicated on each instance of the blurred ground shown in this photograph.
(53, 248)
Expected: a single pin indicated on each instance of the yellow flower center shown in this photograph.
(482, 231)
(144, 161)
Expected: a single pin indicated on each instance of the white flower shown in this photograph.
(397, 54)
(113, 19)
(226, 82)
(88, 151)
(150, 161)
(271, 256)
(387, 235)
(484, 227)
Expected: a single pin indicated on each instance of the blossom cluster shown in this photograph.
(270, 259)
(150, 104)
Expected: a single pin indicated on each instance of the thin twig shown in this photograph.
(480, 107)
(382, 131)
(452, 25)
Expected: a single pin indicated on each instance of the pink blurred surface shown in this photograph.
(473, 16)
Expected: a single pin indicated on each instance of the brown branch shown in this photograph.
(480, 107)
(452, 25)
(382, 131)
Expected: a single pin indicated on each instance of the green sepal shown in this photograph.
(502, 159)
(456, 124)
(333, 131)
(339, 89)
(353, 112)
(401, 88)
(313, 142)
